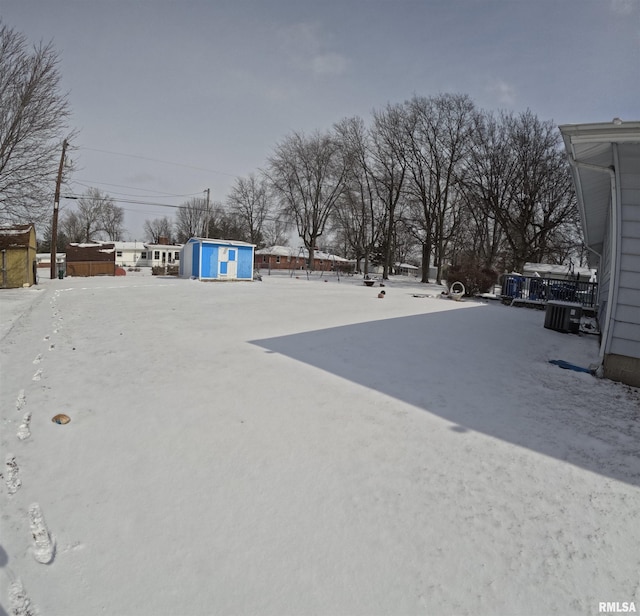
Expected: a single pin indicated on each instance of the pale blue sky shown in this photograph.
(214, 85)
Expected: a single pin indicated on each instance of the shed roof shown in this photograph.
(592, 144)
(17, 236)
(211, 240)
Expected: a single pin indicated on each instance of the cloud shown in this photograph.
(504, 93)
(329, 64)
(624, 7)
(306, 50)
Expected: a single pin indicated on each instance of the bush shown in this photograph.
(475, 278)
(162, 270)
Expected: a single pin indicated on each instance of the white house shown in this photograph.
(145, 254)
(163, 254)
(131, 254)
(605, 164)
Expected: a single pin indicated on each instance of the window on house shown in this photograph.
(156, 255)
(118, 253)
(277, 259)
(143, 255)
(264, 258)
(177, 256)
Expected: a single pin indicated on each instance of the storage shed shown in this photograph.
(18, 256)
(605, 164)
(211, 259)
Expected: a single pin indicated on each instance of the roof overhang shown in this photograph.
(590, 151)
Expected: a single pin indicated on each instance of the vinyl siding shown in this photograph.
(626, 330)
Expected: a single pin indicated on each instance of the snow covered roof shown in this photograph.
(288, 251)
(164, 246)
(212, 240)
(17, 236)
(129, 245)
(555, 270)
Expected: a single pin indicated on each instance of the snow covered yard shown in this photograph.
(302, 447)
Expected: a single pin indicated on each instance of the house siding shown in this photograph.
(626, 329)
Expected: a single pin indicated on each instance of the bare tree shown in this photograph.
(111, 220)
(357, 215)
(193, 219)
(95, 217)
(158, 228)
(33, 119)
(518, 175)
(249, 201)
(440, 137)
(276, 230)
(389, 167)
(71, 228)
(307, 175)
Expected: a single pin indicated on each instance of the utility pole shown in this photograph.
(207, 217)
(56, 207)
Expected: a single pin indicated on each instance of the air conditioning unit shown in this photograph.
(563, 316)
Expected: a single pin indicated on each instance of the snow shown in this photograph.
(296, 446)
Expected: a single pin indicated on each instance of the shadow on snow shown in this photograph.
(455, 367)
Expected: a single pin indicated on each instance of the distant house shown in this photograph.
(605, 165)
(163, 254)
(91, 260)
(560, 272)
(18, 256)
(213, 259)
(131, 254)
(405, 269)
(44, 263)
(287, 258)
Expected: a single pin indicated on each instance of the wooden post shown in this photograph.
(56, 206)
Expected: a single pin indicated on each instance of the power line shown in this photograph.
(157, 160)
(81, 181)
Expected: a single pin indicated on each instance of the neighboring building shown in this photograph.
(131, 254)
(287, 258)
(163, 254)
(18, 256)
(43, 260)
(560, 272)
(212, 259)
(405, 269)
(91, 259)
(605, 164)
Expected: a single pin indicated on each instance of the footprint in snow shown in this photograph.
(43, 545)
(38, 358)
(24, 431)
(12, 474)
(21, 400)
(37, 376)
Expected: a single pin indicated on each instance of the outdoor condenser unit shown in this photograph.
(563, 316)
